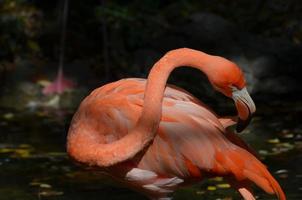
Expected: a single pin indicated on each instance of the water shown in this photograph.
(34, 165)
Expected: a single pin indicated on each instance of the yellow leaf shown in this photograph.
(223, 185)
(211, 188)
(273, 141)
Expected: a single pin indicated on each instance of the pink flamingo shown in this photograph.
(61, 83)
(155, 138)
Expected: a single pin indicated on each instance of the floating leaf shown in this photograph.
(286, 145)
(211, 188)
(17, 152)
(44, 83)
(8, 116)
(273, 141)
(288, 136)
(40, 184)
(200, 192)
(25, 146)
(23, 153)
(6, 150)
(223, 185)
(51, 193)
(263, 152)
(281, 171)
(218, 179)
(59, 154)
(44, 185)
(35, 183)
(285, 133)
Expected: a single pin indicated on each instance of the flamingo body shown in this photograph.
(191, 142)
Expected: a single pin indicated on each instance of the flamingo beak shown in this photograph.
(245, 107)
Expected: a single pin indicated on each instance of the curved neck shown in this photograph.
(157, 79)
(142, 135)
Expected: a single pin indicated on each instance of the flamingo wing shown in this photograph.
(193, 143)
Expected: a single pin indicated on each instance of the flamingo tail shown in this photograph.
(244, 166)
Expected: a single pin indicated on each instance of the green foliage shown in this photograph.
(32, 29)
(141, 21)
(20, 24)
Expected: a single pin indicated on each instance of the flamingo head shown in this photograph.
(230, 81)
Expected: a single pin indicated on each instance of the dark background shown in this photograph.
(109, 40)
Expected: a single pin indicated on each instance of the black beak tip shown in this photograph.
(242, 124)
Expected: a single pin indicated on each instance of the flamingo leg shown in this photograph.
(246, 193)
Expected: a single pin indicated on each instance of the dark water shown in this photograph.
(33, 163)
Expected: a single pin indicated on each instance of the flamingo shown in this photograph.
(155, 138)
(61, 83)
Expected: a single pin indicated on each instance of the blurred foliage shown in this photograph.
(30, 28)
(138, 21)
(20, 24)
